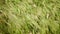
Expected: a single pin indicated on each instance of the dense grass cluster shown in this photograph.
(29, 16)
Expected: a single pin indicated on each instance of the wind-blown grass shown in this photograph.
(29, 16)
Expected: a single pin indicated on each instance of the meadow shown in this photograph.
(29, 16)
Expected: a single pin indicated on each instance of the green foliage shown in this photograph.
(29, 16)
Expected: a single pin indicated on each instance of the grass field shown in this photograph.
(29, 16)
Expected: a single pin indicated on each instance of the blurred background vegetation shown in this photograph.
(29, 16)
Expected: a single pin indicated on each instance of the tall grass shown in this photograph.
(29, 16)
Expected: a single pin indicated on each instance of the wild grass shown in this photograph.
(29, 16)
